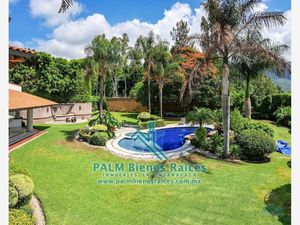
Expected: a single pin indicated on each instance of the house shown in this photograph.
(20, 101)
(19, 55)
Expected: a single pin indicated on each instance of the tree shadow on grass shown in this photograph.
(41, 127)
(157, 174)
(69, 134)
(278, 203)
(289, 163)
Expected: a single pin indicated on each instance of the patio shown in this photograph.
(19, 100)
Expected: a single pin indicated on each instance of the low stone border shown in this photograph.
(38, 211)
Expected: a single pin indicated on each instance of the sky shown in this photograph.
(36, 23)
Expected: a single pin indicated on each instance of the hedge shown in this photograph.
(273, 102)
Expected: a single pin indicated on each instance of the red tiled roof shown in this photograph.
(25, 50)
(21, 100)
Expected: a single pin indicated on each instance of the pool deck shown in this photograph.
(113, 146)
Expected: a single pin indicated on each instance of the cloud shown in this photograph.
(16, 43)
(281, 34)
(48, 10)
(70, 36)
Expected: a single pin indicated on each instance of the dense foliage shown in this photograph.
(99, 138)
(255, 145)
(23, 184)
(18, 217)
(283, 115)
(53, 78)
(271, 103)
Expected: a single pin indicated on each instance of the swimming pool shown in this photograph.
(166, 139)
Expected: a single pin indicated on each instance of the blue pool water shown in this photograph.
(166, 139)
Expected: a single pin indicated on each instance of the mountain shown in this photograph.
(283, 82)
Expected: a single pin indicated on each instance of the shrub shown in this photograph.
(155, 117)
(201, 133)
(99, 128)
(20, 217)
(23, 185)
(144, 116)
(236, 121)
(143, 125)
(273, 102)
(14, 169)
(283, 115)
(13, 196)
(215, 144)
(84, 134)
(235, 151)
(160, 123)
(255, 145)
(99, 138)
(253, 125)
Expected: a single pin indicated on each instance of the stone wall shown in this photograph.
(60, 112)
(125, 105)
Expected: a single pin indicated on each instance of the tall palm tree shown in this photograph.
(164, 69)
(65, 5)
(223, 37)
(116, 62)
(251, 65)
(145, 44)
(100, 51)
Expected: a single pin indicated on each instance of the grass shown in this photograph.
(131, 118)
(280, 132)
(230, 193)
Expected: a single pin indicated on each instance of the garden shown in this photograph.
(222, 91)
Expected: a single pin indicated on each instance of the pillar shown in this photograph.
(29, 119)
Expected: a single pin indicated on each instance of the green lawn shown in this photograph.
(280, 132)
(131, 117)
(230, 193)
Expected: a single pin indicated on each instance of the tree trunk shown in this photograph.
(101, 92)
(149, 92)
(161, 100)
(226, 106)
(115, 86)
(125, 83)
(248, 99)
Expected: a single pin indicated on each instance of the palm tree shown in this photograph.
(145, 45)
(223, 37)
(201, 116)
(100, 51)
(251, 65)
(65, 4)
(164, 69)
(116, 62)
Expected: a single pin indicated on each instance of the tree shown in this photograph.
(53, 78)
(101, 51)
(116, 68)
(145, 45)
(201, 116)
(200, 77)
(164, 69)
(65, 5)
(180, 35)
(251, 65)
(125, 57)
(223, 37)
